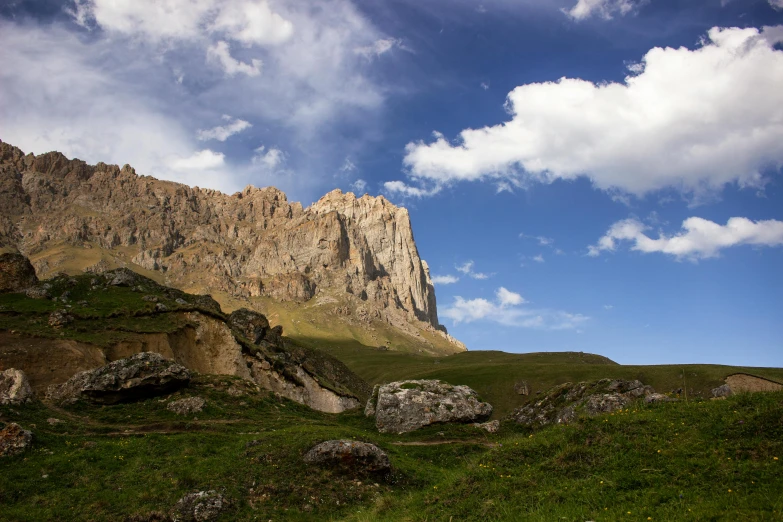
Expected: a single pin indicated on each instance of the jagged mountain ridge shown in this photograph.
(249, 244)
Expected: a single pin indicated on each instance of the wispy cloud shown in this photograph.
(223, 132)
(467, 269)
(444, 279)
(381, 47)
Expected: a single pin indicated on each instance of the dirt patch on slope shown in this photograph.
(742, 382)
(47, 361)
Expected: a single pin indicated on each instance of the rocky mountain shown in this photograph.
(353, 257)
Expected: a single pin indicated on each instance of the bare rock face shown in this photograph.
(252, 243)
(14, 440)
(14, 387)
(404, 406)
(16, 273)
(142, 375)
(350, 456)
(566, 402)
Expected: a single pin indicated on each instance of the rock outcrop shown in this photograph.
(252, 243)
(194, 332)
(404, 406)
(349, 456)
(16, 272)
(566, 402)
(140, 376)
(14, 440)
(14, 387)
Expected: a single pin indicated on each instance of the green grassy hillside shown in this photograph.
(493, 374)
(701, 460)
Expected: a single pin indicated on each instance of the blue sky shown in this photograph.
(594, 175)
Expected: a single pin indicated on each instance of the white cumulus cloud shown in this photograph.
(776, 4)
(444, 279)
(699, 238)
(201, 160)
(690, 119)
(605, 9)
(508, 298)
(507, 309)
(223, 132)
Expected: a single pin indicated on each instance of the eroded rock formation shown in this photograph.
(252, 243)
(566, 402)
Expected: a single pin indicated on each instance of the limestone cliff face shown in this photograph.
(252, 243)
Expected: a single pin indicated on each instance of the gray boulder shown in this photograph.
(60, 318)
(349, 455)
(14, 440)
(489, 427)
(186, 406)
(722, 391)
(252, 325)
(142, 375)
(122, 277)
(203, 506)
(406, 406)
(14, 387)
(654, 398)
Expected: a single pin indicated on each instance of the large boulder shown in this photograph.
(564, 403)
(349, 455)
(142, 375)
(250, 324)
(14, 440)
(16, 273)
(14, 387)
(404, 406)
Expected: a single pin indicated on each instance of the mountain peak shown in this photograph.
(68, 215)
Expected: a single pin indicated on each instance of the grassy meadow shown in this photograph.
(700, 460)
